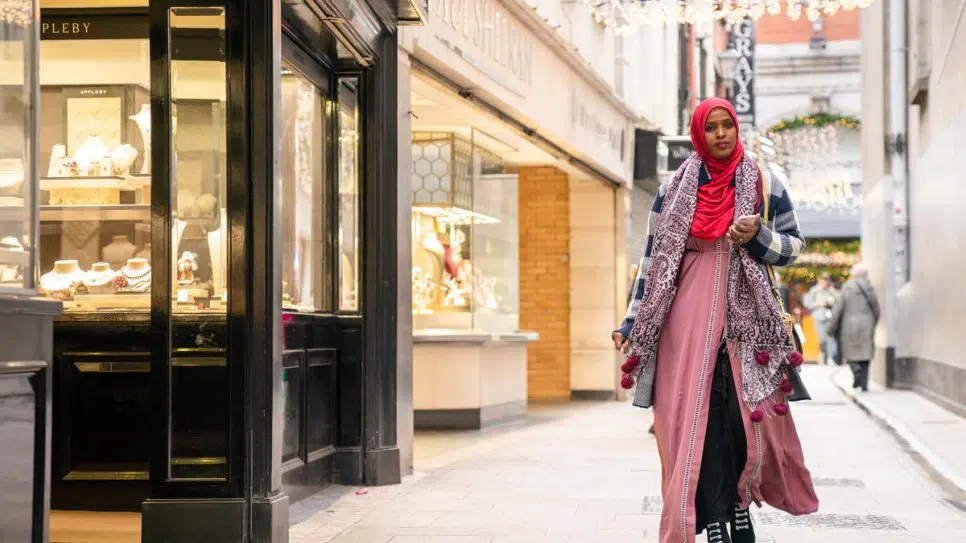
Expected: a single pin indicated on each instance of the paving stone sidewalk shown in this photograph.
(936, 434)
(591, 474)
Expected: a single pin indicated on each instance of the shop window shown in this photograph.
(198, 183)
(198, 160)
(17, 49)
(95, 161)
(306, 284)
(465, 232)
(348, 194)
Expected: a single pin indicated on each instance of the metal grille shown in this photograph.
(822, 521)
(830, 521)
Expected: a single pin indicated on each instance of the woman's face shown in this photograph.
(720, 133)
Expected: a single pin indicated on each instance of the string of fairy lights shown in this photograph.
(16, 13)
(625, 16)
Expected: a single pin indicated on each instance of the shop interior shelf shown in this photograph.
(129, 182)
(13, 214)
(102, 213)
(11, 257)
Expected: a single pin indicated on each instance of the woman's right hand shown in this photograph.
(619, 340)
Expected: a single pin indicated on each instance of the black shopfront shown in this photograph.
(217, 216)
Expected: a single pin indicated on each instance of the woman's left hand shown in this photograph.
(744, 229)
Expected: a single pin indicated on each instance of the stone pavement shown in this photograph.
(590, 472)
(937, 435)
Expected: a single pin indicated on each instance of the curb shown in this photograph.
(936, 463)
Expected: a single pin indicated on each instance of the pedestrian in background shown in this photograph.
(853, 320)
(706, 340)
(819, 301)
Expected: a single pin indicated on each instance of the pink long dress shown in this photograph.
(775, 472)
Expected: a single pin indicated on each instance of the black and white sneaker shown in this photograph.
(717, 533)
(742, 530)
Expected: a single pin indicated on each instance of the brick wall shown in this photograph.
(779, 29)
(545, 279)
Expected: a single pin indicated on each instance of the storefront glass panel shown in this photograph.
(17, 109)
(199, 373)
(302, 153)
(348, 104)
(95, 161)
(465, 240)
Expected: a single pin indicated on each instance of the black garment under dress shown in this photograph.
(725, 449)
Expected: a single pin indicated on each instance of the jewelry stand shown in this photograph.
(128, 288)
(98, 279)
(61, 282)
(143, 120)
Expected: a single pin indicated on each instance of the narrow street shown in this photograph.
(590, 472)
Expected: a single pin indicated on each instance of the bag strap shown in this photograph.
(868, 301)
(769, 270)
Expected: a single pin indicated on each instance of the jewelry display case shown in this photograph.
(95, 199)
(17, 204)
(465, 231)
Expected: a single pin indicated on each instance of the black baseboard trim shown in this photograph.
(301, 480)
(188, 521)
(270, 522)
(469, 419)
(383, 467)
(942, 383)
(592, 395)
(348, 466)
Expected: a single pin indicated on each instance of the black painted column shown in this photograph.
(264, 410)
(381, 278)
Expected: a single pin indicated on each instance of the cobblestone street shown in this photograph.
(590, 472)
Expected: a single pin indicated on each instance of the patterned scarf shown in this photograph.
(755, 332)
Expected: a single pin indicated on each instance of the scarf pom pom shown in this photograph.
(757, 415)
(781, 409)
(627, 382)
(631, 364)
(786, 386)
(795, 359)
(762, 357)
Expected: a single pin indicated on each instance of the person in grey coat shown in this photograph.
(819, 301)
(854, 317)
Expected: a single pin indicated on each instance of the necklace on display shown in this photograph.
(134, 276)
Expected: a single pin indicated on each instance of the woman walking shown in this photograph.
(708, 344)
(853, 320)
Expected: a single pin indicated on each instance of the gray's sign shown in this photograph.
(743, 95)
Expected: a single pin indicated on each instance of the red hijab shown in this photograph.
(715, 210)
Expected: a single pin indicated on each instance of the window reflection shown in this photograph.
(302, 154)
(348, 194)
(16, 49)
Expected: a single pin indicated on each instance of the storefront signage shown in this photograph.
(491, 32)
(487, 48)
(678, 150)
(743, 94)
(56, 25)
(585, 115)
